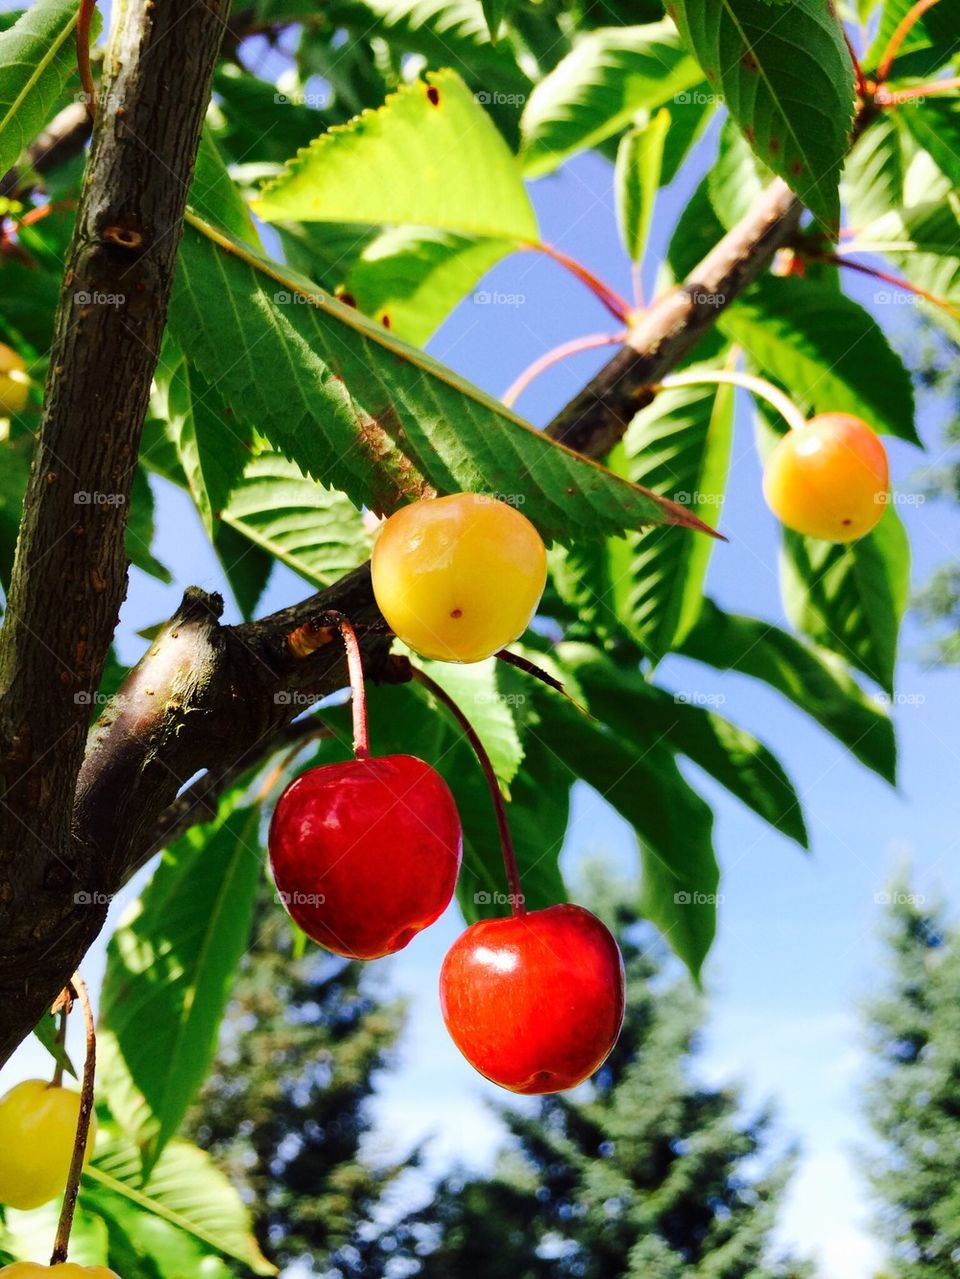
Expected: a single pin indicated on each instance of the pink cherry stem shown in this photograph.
(77, 990)
(609, 297)
(499, 807)
(909, 21)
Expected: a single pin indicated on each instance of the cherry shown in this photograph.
(458, 578)
(14, 382)
(828, 478)
(64, 1269)
(534, 1001)
(39, 1124)
(365, 854)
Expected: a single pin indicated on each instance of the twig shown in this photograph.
(897, 281)
(79, 991)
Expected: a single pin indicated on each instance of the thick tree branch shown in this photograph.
(70, 573)
(221, 698)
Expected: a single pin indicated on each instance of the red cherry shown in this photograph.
(535, 1001)
(365, 854)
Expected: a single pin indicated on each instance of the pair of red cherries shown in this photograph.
(366, 854)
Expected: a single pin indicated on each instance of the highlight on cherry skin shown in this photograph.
(458, 578)
(535, 1001)
(38, 1121)
(62, 1270)
(366, 853)
(14, 382)
(828, 478)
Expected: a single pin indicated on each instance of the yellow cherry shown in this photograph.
(64, 1269)
(828, 478)
(14, 382)
(459, 577)
(39, 1124)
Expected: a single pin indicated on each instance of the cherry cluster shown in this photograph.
(366, 854)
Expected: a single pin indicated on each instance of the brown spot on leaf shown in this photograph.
(346, 298)
(750, 133)
(749, 61)
(385, 320)
(775, 145)
(433, 95)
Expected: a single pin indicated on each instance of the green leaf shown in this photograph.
(46, 1031)
(598, 88)
(141, 529)
(825, 349)
(680, 447)
(850, 599)
(214, 194)
(636, 181)
(787, 80)
(690, 112)
(357, 409)
(185, 1190)
(642, 782)
(935, 125)
(410, 280)
(213, 447)
(14, 472)
(37, 55)
(923, 243)
(430, 157)
(28, 1235)
(313, 529)
(631, 706)
(738, 178)
(494, 12)
(169, 968)
(814, 679)
(874, 174)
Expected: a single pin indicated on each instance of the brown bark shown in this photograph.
(70, 573)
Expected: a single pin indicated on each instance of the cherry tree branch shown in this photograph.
(70, 573)
(205, 696)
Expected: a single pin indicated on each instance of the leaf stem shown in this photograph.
(615, 304)
(589, 343)
(897, 281)
(503, 825)
(904, 27)
(886, 98)
(755, 385)
(77, 989)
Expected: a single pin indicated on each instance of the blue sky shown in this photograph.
(796, 948)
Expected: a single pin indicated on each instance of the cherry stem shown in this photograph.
(554, 356)
(884, 98)
(85, 14)
(361, 731)
(615, 304)
(861, 79)
(496, 795)
(755, 385)
(77, 989)
(897, 281)
(904, 27)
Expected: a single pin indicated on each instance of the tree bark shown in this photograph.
(70, 573)
(205, 696)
